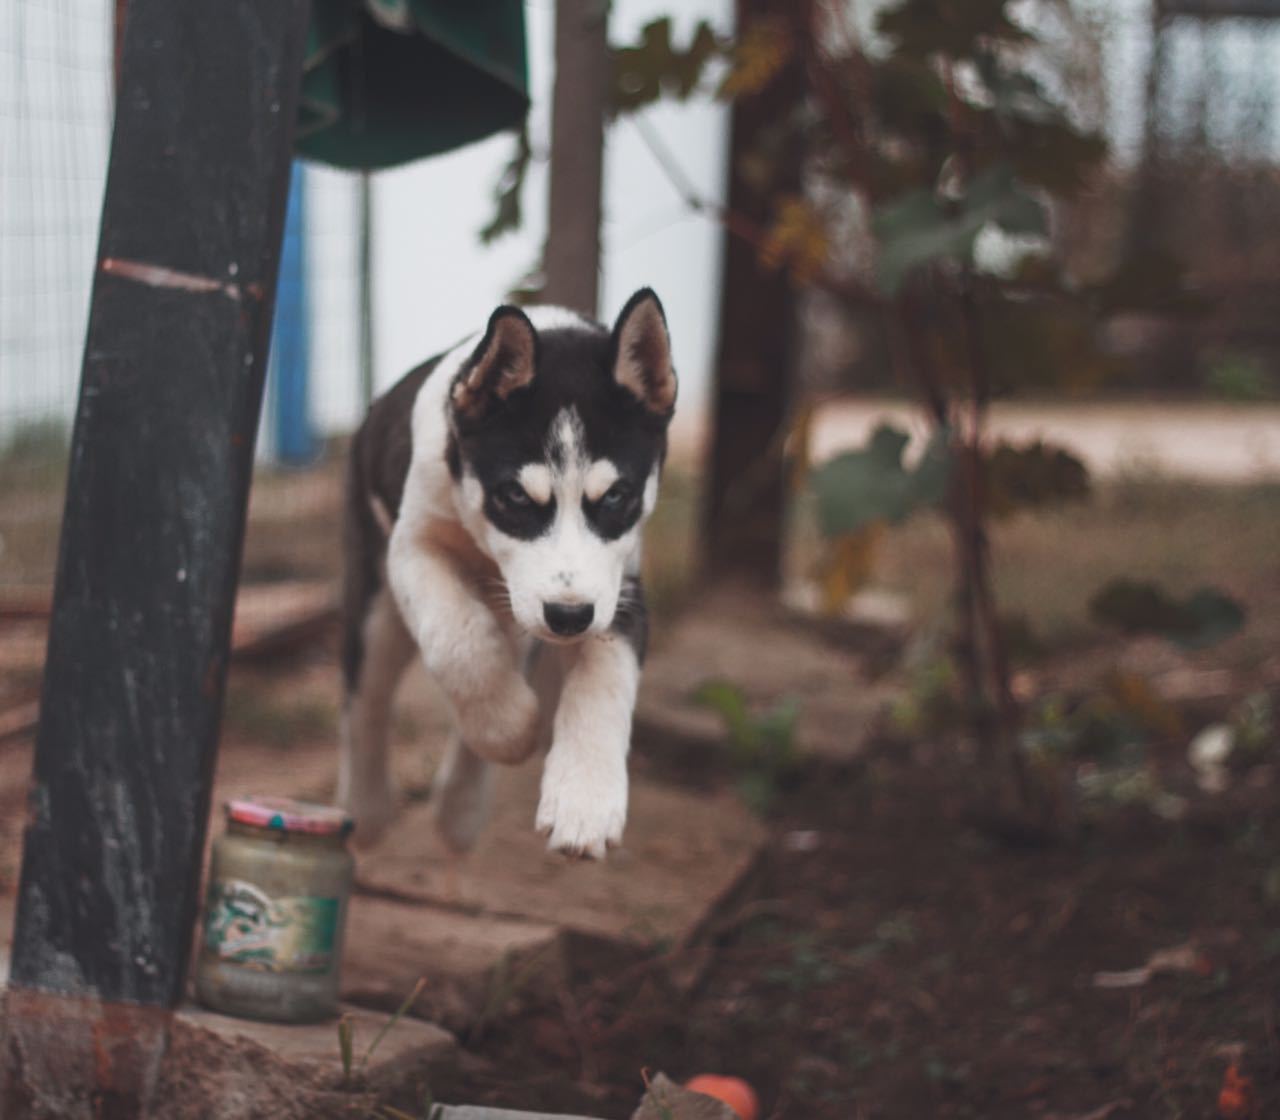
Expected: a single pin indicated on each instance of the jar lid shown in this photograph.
(288, 815)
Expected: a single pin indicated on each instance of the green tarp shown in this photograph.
(388, 81)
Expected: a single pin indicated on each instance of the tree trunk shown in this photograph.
(571, 260)
(746, 497)
(1146, 228)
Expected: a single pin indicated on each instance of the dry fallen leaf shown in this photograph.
(1181, 958)
(1103, 1112)
(762, 51)
(665, 1100)
(798, 239)
(847, 563)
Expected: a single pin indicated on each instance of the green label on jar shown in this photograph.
(246, 926)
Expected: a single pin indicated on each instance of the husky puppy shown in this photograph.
(495, 502)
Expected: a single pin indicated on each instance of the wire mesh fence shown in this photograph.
(56, 94)
(55, 79)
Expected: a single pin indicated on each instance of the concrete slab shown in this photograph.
(681, 851)
(391, 945)
(409, 1044)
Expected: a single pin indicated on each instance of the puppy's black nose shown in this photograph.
(568, 619)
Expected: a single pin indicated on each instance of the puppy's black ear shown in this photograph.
(503, 362)
(642, 354)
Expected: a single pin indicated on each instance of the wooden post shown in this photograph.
(571, 261)
(746, 493)
(159, 476)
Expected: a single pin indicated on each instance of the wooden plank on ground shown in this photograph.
(19, 720)
(272, 618)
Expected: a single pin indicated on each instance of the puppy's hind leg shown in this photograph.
(365, 785)
(461, 792)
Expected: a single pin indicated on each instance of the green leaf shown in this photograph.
(1035, 474)
(762, 747)
(994, 195)
(1141, 607)
(1210, 617)
(654, 68)
(1054, 155)
(955, 27)
(1016, 95)
(932, 475)
(757, 790)
(861, 487)
(729, 701)
(777, 729)
(919, 229)
(907, 92)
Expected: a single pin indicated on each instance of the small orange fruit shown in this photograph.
(1236, 1099)
(733, 1091)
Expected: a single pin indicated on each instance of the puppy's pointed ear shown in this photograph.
(504, 361)
(642, 354)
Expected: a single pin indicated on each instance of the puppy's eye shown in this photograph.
(616, 496)
(512, 494)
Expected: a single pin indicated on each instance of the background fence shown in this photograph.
(1188, 104)
(56, 73)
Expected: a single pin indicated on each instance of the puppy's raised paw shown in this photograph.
(583, 808)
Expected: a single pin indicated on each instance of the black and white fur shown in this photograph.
(496, 497)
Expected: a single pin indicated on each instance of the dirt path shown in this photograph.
(1207, 442)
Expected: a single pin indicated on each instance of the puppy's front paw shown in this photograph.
(503, 725)
(584, 803)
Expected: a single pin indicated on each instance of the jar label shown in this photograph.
(246, 926)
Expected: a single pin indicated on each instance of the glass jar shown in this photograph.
(275, 911)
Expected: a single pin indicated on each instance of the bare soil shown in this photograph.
(895, 958)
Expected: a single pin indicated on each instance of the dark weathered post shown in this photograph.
(159, 476)
(746, 495)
